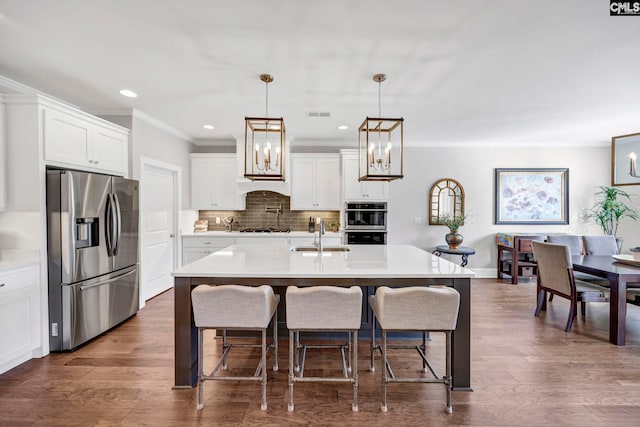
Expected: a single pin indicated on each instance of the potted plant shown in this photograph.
(454, 222)
(609, 210)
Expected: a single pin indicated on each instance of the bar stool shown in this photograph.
(324, 308)
(235, 307)
(422, 309)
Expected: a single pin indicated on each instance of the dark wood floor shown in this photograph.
(526, 371)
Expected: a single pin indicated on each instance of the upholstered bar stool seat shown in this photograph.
(422, 309)
(235, 307)
(324, 308)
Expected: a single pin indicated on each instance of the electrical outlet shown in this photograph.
(217, 220)
(54, 329)
(417, 220)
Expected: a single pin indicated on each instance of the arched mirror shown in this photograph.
(446, 199)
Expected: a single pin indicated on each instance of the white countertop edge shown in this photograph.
(14, 259)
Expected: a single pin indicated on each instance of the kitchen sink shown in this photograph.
(315, 249)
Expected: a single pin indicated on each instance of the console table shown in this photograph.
(463, 251)
(515, 255)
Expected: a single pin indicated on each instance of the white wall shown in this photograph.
(589, 168)
(149, 140)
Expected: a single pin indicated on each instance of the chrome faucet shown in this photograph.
(320, 233)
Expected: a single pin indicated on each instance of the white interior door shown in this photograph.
(158, 211)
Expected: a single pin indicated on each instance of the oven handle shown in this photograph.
(365, 230)
(365, 210)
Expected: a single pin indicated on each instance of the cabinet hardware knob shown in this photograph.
(171, 236)
(1, 285)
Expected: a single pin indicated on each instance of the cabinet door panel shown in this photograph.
(201, 183)
(327, 184)
(67, 139)
(109, 150)
(302, 184)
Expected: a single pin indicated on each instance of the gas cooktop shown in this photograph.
(265, 230)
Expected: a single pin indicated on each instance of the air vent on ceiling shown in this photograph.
(318, 114)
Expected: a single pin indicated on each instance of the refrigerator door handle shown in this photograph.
(118, 224)
(107, 226)
(105, 282)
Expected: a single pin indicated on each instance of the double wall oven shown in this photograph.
(365, 223)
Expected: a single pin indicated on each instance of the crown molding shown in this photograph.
(161, 125)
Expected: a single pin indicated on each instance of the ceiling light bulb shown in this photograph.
(343, 127)
(210, 127)
(128, 93)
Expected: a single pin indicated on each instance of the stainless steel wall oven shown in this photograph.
(365, 223)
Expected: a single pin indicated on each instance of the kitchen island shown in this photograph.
(278, 265)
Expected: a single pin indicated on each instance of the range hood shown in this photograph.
(245, 186)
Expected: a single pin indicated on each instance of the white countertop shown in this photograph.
(241, 234)
(12, 259)
(361, 261)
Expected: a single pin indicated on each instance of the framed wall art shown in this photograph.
(624, 152)
(532, 196)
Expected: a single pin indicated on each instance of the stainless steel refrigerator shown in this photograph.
(92, 232)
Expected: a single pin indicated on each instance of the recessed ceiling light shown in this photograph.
(210, 127)
(128, 93)
(343, 127)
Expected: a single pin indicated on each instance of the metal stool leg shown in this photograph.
(263, 406)
(291, 368)
(447, 383)
(372, 366)
(224, 348)
(384, 371)
(275, 341)
(200, 369)
(354, 364)
(424, 350)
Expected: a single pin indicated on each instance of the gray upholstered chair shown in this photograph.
(324, 309)
(576, 247)
(432, 309)
(573, 241)
(555, 276)
(600, 245)
(235, 307)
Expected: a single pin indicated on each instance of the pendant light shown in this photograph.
(264, 144)
(380, 145)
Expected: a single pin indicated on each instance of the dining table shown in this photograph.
(280, 265)
(620, 276)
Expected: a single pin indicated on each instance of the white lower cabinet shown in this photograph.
(196, 247)
(19, 316)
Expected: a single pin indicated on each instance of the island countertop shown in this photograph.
(360, 261)
(367, 266)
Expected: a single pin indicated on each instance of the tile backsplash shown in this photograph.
(256, 216)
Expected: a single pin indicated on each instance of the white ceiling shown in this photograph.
(498, 72)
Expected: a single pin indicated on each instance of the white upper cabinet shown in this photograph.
(3, 166)
(71, 139)
(354, 190)
(214, 182)
(315, 182)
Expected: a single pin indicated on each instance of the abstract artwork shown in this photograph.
(532, 196)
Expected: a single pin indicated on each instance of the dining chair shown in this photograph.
(600, 245)
(235, 307)
(421, 309)
(576, 247)
(555, 276)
